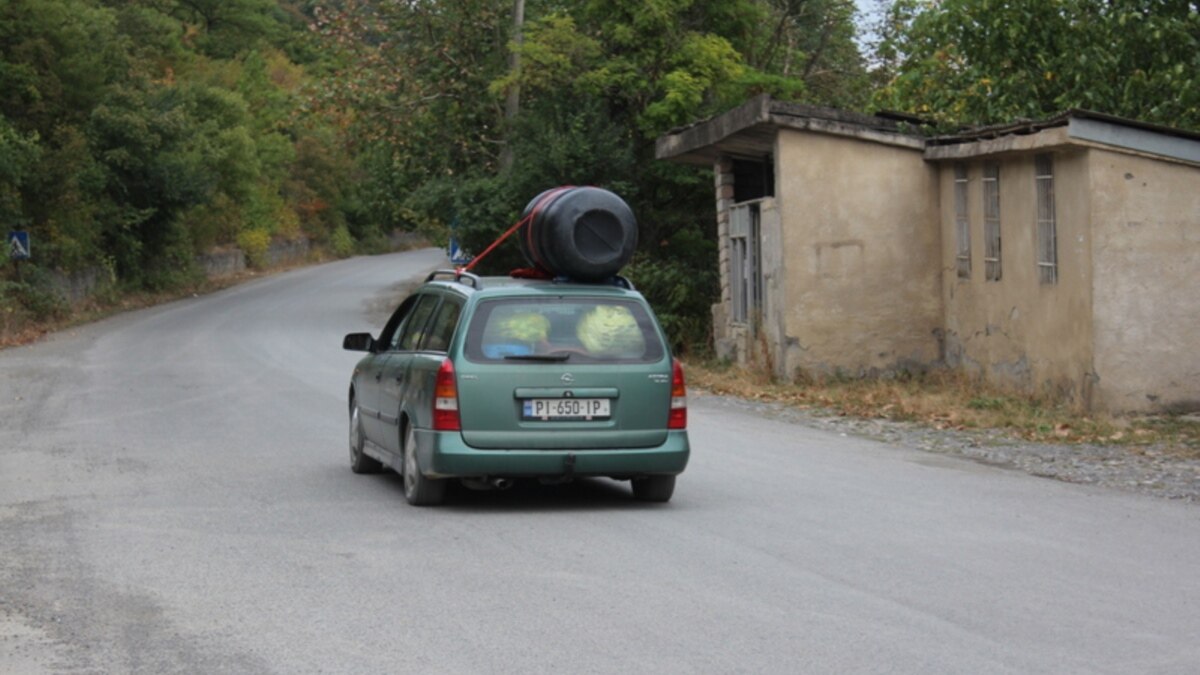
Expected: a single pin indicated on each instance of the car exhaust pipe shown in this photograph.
(502, 483)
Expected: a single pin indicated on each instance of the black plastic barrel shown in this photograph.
(583, 233)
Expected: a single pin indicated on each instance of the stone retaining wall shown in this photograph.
(287, 252)
(77, 286)
(216, 264)
(222, 263)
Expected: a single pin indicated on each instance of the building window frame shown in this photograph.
(993, 269)
(1047, 221)
(745, 262)
(962, 221)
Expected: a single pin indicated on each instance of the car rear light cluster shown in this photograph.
(445, 400)
(678, 417)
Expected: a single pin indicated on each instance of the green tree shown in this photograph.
(19, 153)
(599, 81)
(413, 79)
(984, 61)
(57, 61)
(134, 133)
(811, 42)
(227, 28)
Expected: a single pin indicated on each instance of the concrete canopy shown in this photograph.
(749, 130)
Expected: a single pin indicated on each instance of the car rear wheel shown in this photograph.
(419, 490)
(359, 461)
(654, 488)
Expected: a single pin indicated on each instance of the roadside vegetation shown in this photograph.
(19, 325)
(943, 399)
(136, 135)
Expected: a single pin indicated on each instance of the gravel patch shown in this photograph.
(1147, 470)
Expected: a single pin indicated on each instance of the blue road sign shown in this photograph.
(18, 245)
(457, 255)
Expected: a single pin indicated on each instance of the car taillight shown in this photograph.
(678, 417)
(445, 399)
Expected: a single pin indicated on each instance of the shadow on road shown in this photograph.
(528, 495)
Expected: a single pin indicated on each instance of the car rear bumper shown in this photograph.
(444, 455)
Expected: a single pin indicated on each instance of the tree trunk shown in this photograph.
(512, 103)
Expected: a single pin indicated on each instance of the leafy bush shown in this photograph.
(341, 243)
(31, 299)
(254, 243)
(681, 296)
(476, 210)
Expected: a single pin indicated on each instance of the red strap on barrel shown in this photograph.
(530, 273)
(494, 244)
(541, 203)
(544, 201)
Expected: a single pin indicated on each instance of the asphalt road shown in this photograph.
(175, 497)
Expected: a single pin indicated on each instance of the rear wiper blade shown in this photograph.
(555, 357)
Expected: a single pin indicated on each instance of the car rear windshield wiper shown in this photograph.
(554, 357)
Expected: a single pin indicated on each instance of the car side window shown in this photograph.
(441, 331)
(415, 327)
(391, 330)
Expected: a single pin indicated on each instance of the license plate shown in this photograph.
(565, 408)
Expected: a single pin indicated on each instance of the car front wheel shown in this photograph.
(419, 490)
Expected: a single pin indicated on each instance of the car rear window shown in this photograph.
(586, 330)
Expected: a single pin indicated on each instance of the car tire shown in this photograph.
(359, 461)
(419, 490)
(654, 488)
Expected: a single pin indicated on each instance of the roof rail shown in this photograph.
(618, 280)
(458, 275)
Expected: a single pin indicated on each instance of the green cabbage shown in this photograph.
(610, 330)
(527, 327)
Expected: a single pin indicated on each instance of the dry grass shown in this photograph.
(947, 400)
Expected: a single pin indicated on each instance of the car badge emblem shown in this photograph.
(568, 378)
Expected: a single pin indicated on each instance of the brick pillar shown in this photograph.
(723, 187)
(723, 171)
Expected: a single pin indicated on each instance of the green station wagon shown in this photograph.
(491, 379)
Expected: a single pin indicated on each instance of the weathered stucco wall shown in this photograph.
(859, 248)
(1018, 331)
(861, 251)
(1146, 282)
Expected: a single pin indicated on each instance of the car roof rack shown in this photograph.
(459, 276)
(476, 282)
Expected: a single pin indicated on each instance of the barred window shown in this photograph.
(1047, 228)
(962, 221)
(991, 221)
